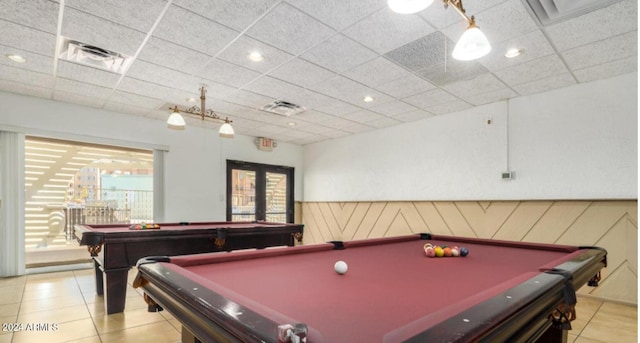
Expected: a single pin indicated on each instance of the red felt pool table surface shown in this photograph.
(391, 291)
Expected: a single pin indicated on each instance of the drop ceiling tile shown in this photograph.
(430, 98)
(237, 14)
(350, 91)
(27, 39)
(338, 13)
(244, 122)
(534, 44)
(271, 87)
(78, 72)
(81, 88)
(35, 62)
(553, 82)
(100, 32)
(195, 32)
(139, 15)
(25, 76)
(128, 108)
(603, 51)
(413, 116)
(248, 99)
(611, 21)
(240, 49)
(312, 116)
(78, 99)
(533, 70)
(309, 99)
(136, 100)
(337, 123)
(267, 130)
(228, 74)
(40, 15)
(606, 70)
(363, 116)
(308, 140)
(338, 54)
(493, 96)
(337, 108)
(425, 52)
(452, 71)
(383, 122)
(393, 108)
(167, 54)
(311, 128)
(482, 83)
(386, 30)
(357, 128)
(301, 73)
(376, 72)
(221, 106)
(163, 76)
(336, 134)
(406, 86)
(289, 29)
(449, 107)
(20, 88)
(152, 90)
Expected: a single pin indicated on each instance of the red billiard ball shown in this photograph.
(430, 252)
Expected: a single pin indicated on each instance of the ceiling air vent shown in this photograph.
(283, 108)
(93, 56)
(554, 11)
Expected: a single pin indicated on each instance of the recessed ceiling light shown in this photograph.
(291, 124)
(16, 58)
(514, 52)
(191, 99)
(256, 56)
(367, 99)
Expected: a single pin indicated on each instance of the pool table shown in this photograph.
(115, 248)
(392, 292)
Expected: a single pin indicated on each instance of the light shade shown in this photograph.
(176, 122)
(472, 45)
(226, 130)
(408, 6)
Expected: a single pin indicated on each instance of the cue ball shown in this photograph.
(340, 267)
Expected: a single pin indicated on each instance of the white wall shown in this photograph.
(195, 163)
(578, 142)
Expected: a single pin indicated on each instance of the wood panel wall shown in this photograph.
(612, 225)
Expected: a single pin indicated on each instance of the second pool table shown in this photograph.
(501, 292)
(115, 248)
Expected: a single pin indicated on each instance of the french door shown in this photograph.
(259, 192)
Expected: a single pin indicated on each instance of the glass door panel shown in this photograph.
(276, 197)
(243, 195)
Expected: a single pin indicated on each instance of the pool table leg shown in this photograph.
(99, 278)
(554, 335)
(116, 289)
(188, 337)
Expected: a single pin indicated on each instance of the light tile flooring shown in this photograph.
(67, 299)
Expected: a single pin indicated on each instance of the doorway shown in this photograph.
(259, 192)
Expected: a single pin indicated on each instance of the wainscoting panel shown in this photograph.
(612, 225)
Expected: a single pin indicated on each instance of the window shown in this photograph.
(259, 192)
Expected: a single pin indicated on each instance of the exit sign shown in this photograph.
(265, 144)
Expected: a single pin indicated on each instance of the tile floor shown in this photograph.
(67, 299)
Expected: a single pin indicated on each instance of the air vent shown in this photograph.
(283, 108)
(93, 56)
(553, 11)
